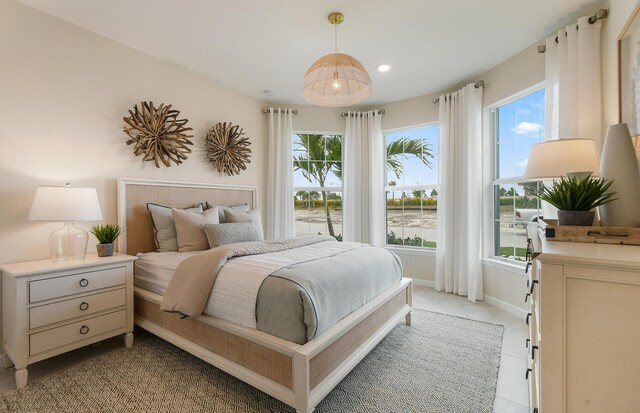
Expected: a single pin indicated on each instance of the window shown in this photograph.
(517, 125)
(317, 184)
(412, 186)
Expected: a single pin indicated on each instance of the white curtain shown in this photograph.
(363, 178)
(574, 83)
(280, 218)
(458, 254)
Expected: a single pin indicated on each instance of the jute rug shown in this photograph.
(440, 364)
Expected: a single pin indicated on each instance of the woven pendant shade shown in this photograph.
(336, 80)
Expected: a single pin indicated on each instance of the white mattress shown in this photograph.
(153, 270)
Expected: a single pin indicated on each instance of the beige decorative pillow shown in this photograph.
(191, 236)
(253, 215)
(222, 234)
(222, 208)
(164, 228)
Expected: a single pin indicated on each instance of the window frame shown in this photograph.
(426, 187)
(327, 189)
(490, 181)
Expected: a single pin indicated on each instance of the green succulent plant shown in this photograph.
(106, 234)
(577, 194)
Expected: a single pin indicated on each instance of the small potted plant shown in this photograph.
(106, 236)
(576, 197)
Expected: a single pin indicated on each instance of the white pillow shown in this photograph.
(191, 236)
(164, 229)
(233, 216)
(222, 208)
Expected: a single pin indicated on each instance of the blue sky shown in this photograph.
(520, 125)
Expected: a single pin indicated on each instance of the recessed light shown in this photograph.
(383, 68)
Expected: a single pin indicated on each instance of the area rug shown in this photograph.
(440, 364)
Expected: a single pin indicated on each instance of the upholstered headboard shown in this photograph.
(134, 194)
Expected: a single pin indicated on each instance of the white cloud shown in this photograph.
(524, 128)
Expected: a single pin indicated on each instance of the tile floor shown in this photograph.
(511, 393)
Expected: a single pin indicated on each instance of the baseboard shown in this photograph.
(503, 305)
(423, 283)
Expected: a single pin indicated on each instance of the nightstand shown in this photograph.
(50, 308)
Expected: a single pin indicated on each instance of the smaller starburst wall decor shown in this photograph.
(228, 148)
(157, 134)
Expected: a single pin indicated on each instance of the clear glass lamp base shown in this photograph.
(68, 243)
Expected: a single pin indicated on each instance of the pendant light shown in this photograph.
(337, 79)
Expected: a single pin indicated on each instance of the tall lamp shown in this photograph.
(68, 205)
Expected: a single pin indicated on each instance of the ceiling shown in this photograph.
(256, 45)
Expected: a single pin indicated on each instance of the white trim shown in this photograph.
(318, 188)
(297, 132)
(404, 128)
(503, 305)
(522, 93)
(515, 267)
(424, 283)
(397, 188)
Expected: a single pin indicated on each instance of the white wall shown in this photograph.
(63, 94)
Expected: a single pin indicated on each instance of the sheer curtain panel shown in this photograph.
(363, 178)
(574, 83)
(458, 265)
(280, 218)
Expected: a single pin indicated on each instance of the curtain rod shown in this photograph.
(294, 111)
(345, 114)
(599, 15)
(477, 85)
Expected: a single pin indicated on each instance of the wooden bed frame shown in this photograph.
(298, 375)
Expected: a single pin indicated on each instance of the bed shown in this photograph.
(300, 375)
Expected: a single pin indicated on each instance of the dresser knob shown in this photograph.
(84, 330)
(84, 282)
(526, 374)
(533, 284)
(533, 352)
(84, 306)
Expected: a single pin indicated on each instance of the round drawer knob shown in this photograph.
(84, 306)
(84, 282)
(84, 330)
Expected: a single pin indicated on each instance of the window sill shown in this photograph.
(423, 252)
(505, 265)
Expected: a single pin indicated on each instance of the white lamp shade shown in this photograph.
(65, 204)
(557, 158)
(336, 80)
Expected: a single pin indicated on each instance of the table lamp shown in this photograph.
(563, 157)
(69, 205)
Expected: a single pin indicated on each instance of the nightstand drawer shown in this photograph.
(61, 336)
(75, 283)
(77, 307)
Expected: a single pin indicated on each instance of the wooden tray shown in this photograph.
(551, 231)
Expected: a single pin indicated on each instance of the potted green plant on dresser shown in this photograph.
(106, 236)
(576, 197)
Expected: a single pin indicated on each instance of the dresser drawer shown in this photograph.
(75, 283)
(61, 336)
(77, 307)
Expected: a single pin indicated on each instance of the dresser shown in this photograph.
(52, 307)
(584, 328)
